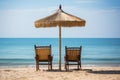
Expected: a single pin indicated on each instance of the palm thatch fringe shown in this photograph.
(60, 23)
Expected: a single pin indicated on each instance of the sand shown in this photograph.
(87, 73)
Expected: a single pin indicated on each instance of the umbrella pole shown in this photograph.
(60, 48)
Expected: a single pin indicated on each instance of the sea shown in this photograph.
(95, 51)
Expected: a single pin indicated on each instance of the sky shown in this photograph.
(17, 18)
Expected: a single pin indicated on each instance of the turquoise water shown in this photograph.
(95, 51)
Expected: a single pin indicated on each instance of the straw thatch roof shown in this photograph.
(60, 18)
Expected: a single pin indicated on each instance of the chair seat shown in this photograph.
(72, 60)
(44, 63)
(43, 60)
(71, 64)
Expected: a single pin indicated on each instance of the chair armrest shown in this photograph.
(78, 57)
(66, 57)
(50, 57)
(36, 57)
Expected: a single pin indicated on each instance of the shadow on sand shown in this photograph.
(70, 70)
(89, 71)
(105, 72)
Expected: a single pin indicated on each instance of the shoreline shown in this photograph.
(55, 66)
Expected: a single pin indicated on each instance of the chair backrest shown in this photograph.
(73, 53)
(43, 52)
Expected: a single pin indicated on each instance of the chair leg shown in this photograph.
(37, 65)
(68, 65)
(48, 65)
(65, 66)
(51, 65)
(78, 64)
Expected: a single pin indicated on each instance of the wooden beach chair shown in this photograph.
(72, 57)
(43, 56)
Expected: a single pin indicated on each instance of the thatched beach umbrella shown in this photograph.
(60, 19)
